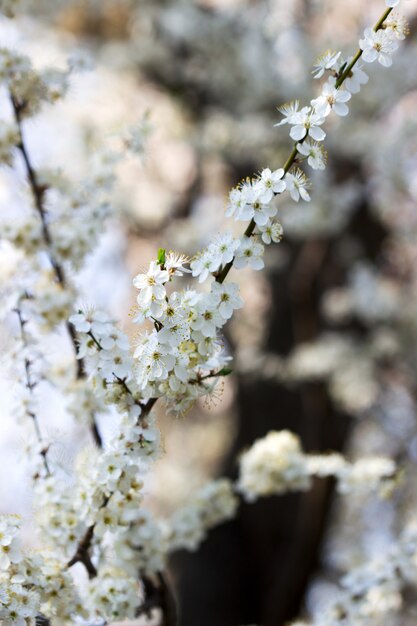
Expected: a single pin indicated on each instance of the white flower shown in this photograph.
(174, 334)
(223, 248)
(269, 184)
(9, 541)
(9, 551)
(326, 62)
(366, 475)
(397, 25)
(289, 111)
(272, 231)
(155, 360)
(237, 200)
(356, 78)
(263, 212)
(114, 338)
(378, 45)
(114, 363)
(249, 253)
(114, 595)
(315, 153)
(392, 3)
(203, 265)
(331, 99)
(109, 469)
(152, 283)
(307, 122)
(86, 346)
(297, 185)
(96, 322)
(249, 197)
(174, 264)
(227, 298)
(213, 504)
(207, 318)
(273, 465)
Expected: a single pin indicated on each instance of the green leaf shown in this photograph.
(224, 372)
(161, 256)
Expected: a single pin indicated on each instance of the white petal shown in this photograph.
(385, 60)
(341, 109)
(298, 132)
(317, 133)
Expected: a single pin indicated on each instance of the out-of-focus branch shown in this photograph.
(160, 595)
(30, 385)
(38, 192)
(82, 554)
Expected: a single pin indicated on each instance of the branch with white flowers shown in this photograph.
(38, 190)
(95, 517)
(254, 200)
(183, 344)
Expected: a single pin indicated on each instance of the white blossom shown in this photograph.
(307, 122)
(378, 45)
(271, 231)
(273, 465)
(204, 264)
(289, 112)
(226, 298)
(174, 264)
(331, 99)
(269, 183)
(250, 254)
(96, 322)
(222, 248)
(152, 283)
(327, 61)
(297, 185)
(316, 155)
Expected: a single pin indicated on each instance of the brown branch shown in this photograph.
(168, 602)
(159, 595)
(82, 554)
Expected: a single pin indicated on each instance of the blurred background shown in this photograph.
(326, 343)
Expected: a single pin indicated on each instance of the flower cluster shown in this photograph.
(273, 465)
(31, 585)
(182, 357)
(114, 595)
(105, 346)
(29, 88)
(277, 464)
(188, 526)
(145, 544)
(370, 592)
